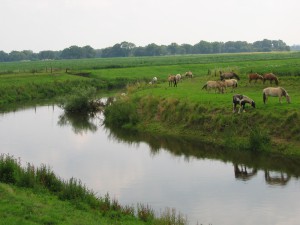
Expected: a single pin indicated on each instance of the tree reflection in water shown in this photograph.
(80, 123)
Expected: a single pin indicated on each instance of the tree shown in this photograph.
(127, 48)
(73, 52)
(88, 52)
(187, 49)
(46, 55)
(3, 56)
(173, 48)
(153, 50)
(16, 56)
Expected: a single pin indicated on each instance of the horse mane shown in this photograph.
(235, 75)
(284, 92)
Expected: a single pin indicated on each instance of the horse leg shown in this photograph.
(280, 99)
(240, 106)
(234, 108)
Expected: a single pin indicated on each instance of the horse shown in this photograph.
(270, 77)
(228, 75)
(153, 81)
(255, 76)
(178, 77)
(214, 85)
(172, 80)
(275, 92)
(231, 83)
(189, 74)
(241, 100)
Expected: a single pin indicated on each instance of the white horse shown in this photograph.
(275, 92)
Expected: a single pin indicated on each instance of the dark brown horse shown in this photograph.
(228, 75)
(270, 77)
(255, 76)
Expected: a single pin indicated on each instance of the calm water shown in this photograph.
(208, 185)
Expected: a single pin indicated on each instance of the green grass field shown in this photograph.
(27, 81)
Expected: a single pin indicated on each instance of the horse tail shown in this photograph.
(276, 80)
(237, 77)
(264, 97)
(205, 86)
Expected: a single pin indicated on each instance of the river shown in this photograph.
(208, 185)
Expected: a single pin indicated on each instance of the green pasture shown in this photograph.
(25, 81)
(213, 60)
(191, 90)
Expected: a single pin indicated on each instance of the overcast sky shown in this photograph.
(57, 24)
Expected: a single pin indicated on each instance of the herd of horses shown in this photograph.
(230, 79)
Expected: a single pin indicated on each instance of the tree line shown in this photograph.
(128, 49)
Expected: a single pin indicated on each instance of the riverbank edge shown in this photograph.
(170, 117)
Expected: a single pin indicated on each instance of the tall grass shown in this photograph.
(43, 178)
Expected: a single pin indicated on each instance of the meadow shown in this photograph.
(185, 107)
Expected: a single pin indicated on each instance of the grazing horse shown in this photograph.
(228, 75)
(255, 76)
(189, 74)
(153, 81)
(275, 92)
(241, 100)
(231, 83)
(178, 77)
(217, 85)
(172, 80)
(270, 77)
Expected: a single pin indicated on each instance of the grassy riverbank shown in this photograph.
(189, 111)
(35, 195)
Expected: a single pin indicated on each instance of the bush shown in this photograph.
(259, 140)
(9, 169)
(121, 114)
(79, 101)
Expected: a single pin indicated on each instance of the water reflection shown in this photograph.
(278, 170)
(80, 123)
(241, 172)
(276, 178)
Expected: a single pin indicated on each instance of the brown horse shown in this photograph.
(270, 77)
(228, 75)
(172, 81)
(255, 76)
(275, 92)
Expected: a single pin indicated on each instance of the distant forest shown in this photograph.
(127, 49)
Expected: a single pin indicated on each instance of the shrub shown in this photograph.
(79, 100)
(121, 114)
(9, 169)
(259, 140)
